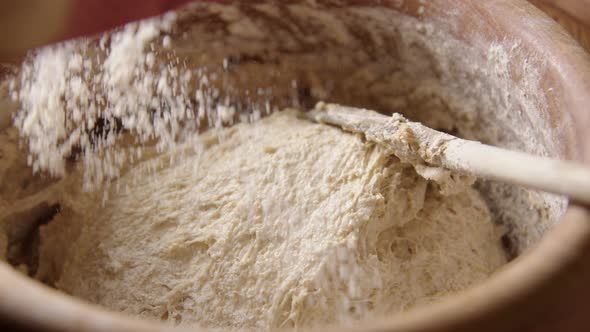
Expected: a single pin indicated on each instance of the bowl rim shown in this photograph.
(519, 291)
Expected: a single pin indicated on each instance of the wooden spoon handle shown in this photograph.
(489, 162)
(417, 144)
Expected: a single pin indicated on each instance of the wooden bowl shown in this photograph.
(551, 74)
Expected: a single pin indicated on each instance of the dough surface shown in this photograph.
(279, 223)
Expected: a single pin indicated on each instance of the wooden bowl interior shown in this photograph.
(472, 69)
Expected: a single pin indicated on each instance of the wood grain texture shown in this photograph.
(578, 26)
(574, 317)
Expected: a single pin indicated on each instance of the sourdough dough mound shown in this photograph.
(279, 223)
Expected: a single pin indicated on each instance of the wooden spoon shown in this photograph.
(415, 143)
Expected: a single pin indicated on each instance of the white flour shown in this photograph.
(76, 96)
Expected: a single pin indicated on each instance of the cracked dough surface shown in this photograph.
(278, 223)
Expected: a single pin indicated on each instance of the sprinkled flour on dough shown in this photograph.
(282, 223)
(77, 96)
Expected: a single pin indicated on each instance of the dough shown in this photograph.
(279, 223)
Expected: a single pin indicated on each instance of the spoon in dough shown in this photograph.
(417, 144)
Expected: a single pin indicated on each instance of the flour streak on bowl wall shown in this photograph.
(500, 72)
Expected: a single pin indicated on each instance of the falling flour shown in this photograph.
(76, 96)
(276, 223)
